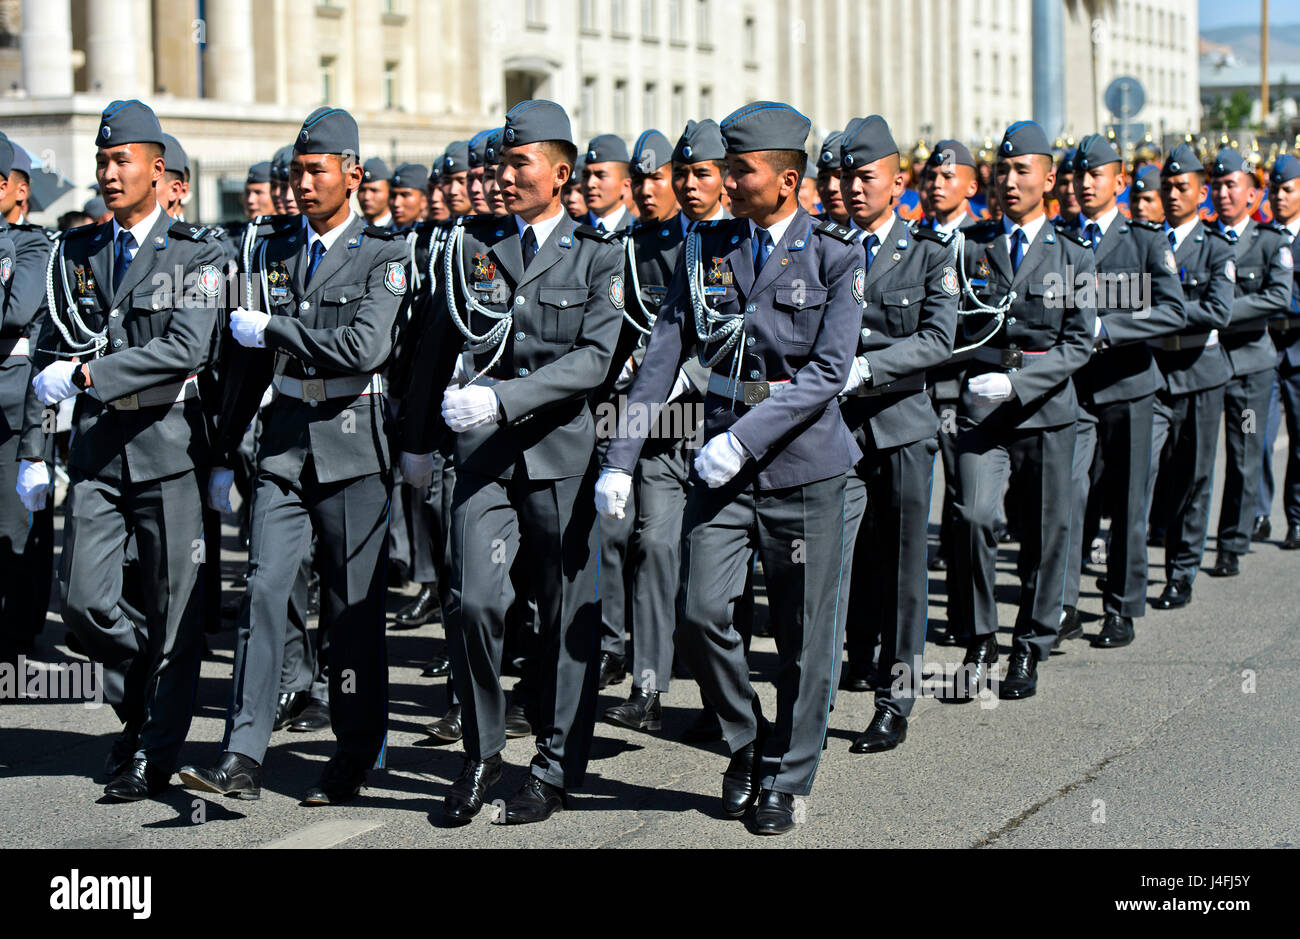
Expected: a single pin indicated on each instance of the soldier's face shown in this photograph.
(438, 205)
(474, 189)
(320, 183)
(373, 198)
(1021, 182)
(1181, 197)
(1097, 188)
(653, 194)
(492, 192)
(409, 205)
(1146, 206)
(828, 191)
(1067, 198)
(1232, 196)
(756, 189)
(604, 185)
(257, 199)
(455, 190)
(530, 183)
(285, 201)
(869, 191)
(575, 203)
(698, 188)
(1284, 198)
(947, 186)
(127, 175)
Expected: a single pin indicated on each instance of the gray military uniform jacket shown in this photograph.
(909, 316)
(157, 333)
(24, 253)
(801, 321)
(1039, 320)
(1123, 368)
(1264, 269)
(565, 312)
(1205, 261)
(340, 326)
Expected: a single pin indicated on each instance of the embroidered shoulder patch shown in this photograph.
(859, 284)
(395, 278)
(1230, 271)
(949, 281)
(209, 280)
(616, 291)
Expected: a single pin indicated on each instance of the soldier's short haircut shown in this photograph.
(152, 151)
(559, 151)
(783, 160)
(173, 174)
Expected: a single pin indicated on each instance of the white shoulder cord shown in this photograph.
(636, 292)
(453, 256)
(730, 327)
(413, 238)
(246, 253)
(977, 306)
(93, 342)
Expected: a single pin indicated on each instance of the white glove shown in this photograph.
(33, 484)
(859, 372)
(469, 407)
(219, 482)
(54, 383)
(249, 327)
(1099, 336)
(720, 460)
(417, 469)
(625, 374)
(267, 397)
(681, 386)
(612, 489)
(991, 386)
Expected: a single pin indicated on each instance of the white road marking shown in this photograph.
(325, 834)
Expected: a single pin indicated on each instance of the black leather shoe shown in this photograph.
(1022, 676)
(611, 669)
(1262, 529)
(235, 775)
(773, 813)
(946, 637)
(1071, 628)
(340, 782)
(1177, 593)
(976, 669)
(938, 563)
(640, 711)
(536, 801)
(1115, 632)
(123, 751)
(855, 679)
(1226, 565)
(704, 729)
(439, 667)
(291, 704)
(315, 716)
(886, 731)
(423, 609)
(139, 780)
(517, 722)
(1292, 540)
(447, 728)
(740, 782)
(466, 795)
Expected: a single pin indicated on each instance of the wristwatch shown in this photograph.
(79, 376)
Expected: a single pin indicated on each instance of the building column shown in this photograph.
(47, 48)
(302, 61)
(110, 49)
(228, 57)
(1048, 78)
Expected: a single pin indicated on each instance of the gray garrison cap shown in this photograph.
(1228, 161)
(280, 163)
(375, 170)
(174, 156)
(651, 151)
(701, 142)
(1095, 150)
(1024, 137)
(1147, 179)
(831, 153)
(329, 130)
(455, 159)
(950, 153)
(492, 148)
(411, 176)
(259, 173)
(128, 122)
(866, 140)
(536, 121)
(8, 154)
(1182, 159)
(478, 148)
(765, 125)
(607, 148)
(1285, 169)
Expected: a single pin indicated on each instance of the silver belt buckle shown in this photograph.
(313, 391)
(130, 403)
(1012, 358)
(755, 391)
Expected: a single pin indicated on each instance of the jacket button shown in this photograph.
(519, 301)
(117, 343)
(520, 337)
(750, 341)
(564, 303)
(311, 370)
(155, 305)
(905, 301)
(112, 313)
(305, 306)
(865, 332)
(754, 374)
(1011, 321)
(523, 372)
(751, 309)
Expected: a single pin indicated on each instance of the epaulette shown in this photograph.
(985, 228)
(81, 231)
(1149, 226)
(931, 234)
(1074, 235)
(1212, 228)
(586, 231)
(1273, 226)
(838, 232)
(192, 232)
(374, 231)
(27, 226)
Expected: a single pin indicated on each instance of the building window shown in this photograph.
(620, 106)
(679, 109)
(977, 73)
(327, 80)
(703, 23)
(649, 19)
(588, 14)
(390, 86)
(589, 100)
(706, 103)
(618, 16)
(649, 105)
(751, 40)
(675, 20)
(535, 12)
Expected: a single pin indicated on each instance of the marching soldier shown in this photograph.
(1188, 409)
(438, 211)
(491, 162)
(574, 197)
(828, 180)
(410, 200)
(26, 531)
(174, 185)
(1265, 271)
(128, 353)
(1138, 298)
(606, 184)
(1018, 412)
(454, 178)
(774, 316)
(535, 301)
(375, 193)
(335, 287)
(1067, 203)
(1144, 196)
(909, 315)
(282, 196)
(478, 171)
(949, 183)
(257, 191)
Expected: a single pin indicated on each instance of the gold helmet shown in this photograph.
(985, 156)
(921, 152)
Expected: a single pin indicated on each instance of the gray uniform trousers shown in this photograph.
(987, 454)
(26, 558)
(1184, 438)
(801, 537)
(1122, 430)
(614, 587)
(660, 486)
(554, 519)
(888, 604)
(305, 655)
(1245, 413)
(1285, 402)
(351, 519)
(150, 668)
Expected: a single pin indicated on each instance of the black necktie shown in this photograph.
(317, 252)
(122, 257)
(529, 246)
(1232, 235)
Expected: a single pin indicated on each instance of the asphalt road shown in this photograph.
(1186, 738)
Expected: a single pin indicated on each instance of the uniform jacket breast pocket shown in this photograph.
(1042, 306)
(338, 304)
(561, 309)
(798, 310)
(144, 321)
(1250, 277)
(903, 309)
